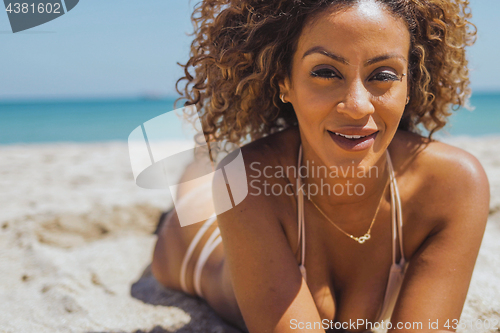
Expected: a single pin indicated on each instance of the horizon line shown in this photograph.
(139, 97)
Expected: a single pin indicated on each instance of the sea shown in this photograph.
(24, 122)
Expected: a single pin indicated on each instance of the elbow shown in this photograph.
(158, 264)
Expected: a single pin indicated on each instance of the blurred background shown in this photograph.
(102, 69)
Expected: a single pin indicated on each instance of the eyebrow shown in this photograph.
(384, 57)
(321, 50)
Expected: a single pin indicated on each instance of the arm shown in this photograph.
(439, 274)
(267, 283)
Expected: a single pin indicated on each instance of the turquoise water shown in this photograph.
(483, 120)
(109, 120)
(78, 121)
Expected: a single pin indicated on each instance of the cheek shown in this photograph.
(313, 112)
(309, 104)
(390, 109)
(314, 102)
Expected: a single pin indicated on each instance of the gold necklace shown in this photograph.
(366, 236)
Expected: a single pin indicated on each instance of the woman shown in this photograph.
(338, 86)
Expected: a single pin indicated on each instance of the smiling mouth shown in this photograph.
(351, 137)
(354, 142)
(354, 136)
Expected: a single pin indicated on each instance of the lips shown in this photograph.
(354, 139)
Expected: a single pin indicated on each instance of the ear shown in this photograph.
(285, 86)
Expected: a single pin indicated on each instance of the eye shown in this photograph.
(385, 77)
(325, 73)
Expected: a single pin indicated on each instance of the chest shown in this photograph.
(348, 280)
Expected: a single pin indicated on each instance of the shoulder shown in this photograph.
(278, 149)
(447, 179)
(259, 258)
(258, 170)
(442, 164)
(447, 209)
(266, 157)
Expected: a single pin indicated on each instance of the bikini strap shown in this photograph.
(189, 253)
(301, 239)
(396, 213)
(213, 241)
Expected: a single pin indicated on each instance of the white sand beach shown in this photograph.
(76, 238)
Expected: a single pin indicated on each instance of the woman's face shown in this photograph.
(349, 78)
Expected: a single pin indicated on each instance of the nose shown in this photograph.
(357, 102)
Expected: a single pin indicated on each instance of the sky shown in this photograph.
(126, 48)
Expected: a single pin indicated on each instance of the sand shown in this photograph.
(76, 239)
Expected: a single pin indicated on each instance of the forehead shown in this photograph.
(359, 31)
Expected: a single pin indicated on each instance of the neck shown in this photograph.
(346, 184)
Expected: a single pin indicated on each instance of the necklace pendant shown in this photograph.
(362, 239)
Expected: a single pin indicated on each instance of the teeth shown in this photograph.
(351, 136)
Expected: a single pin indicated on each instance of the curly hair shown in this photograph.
(243, 48)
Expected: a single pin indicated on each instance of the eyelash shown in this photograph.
(388, 77)
(328, 74)
(324, 73)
